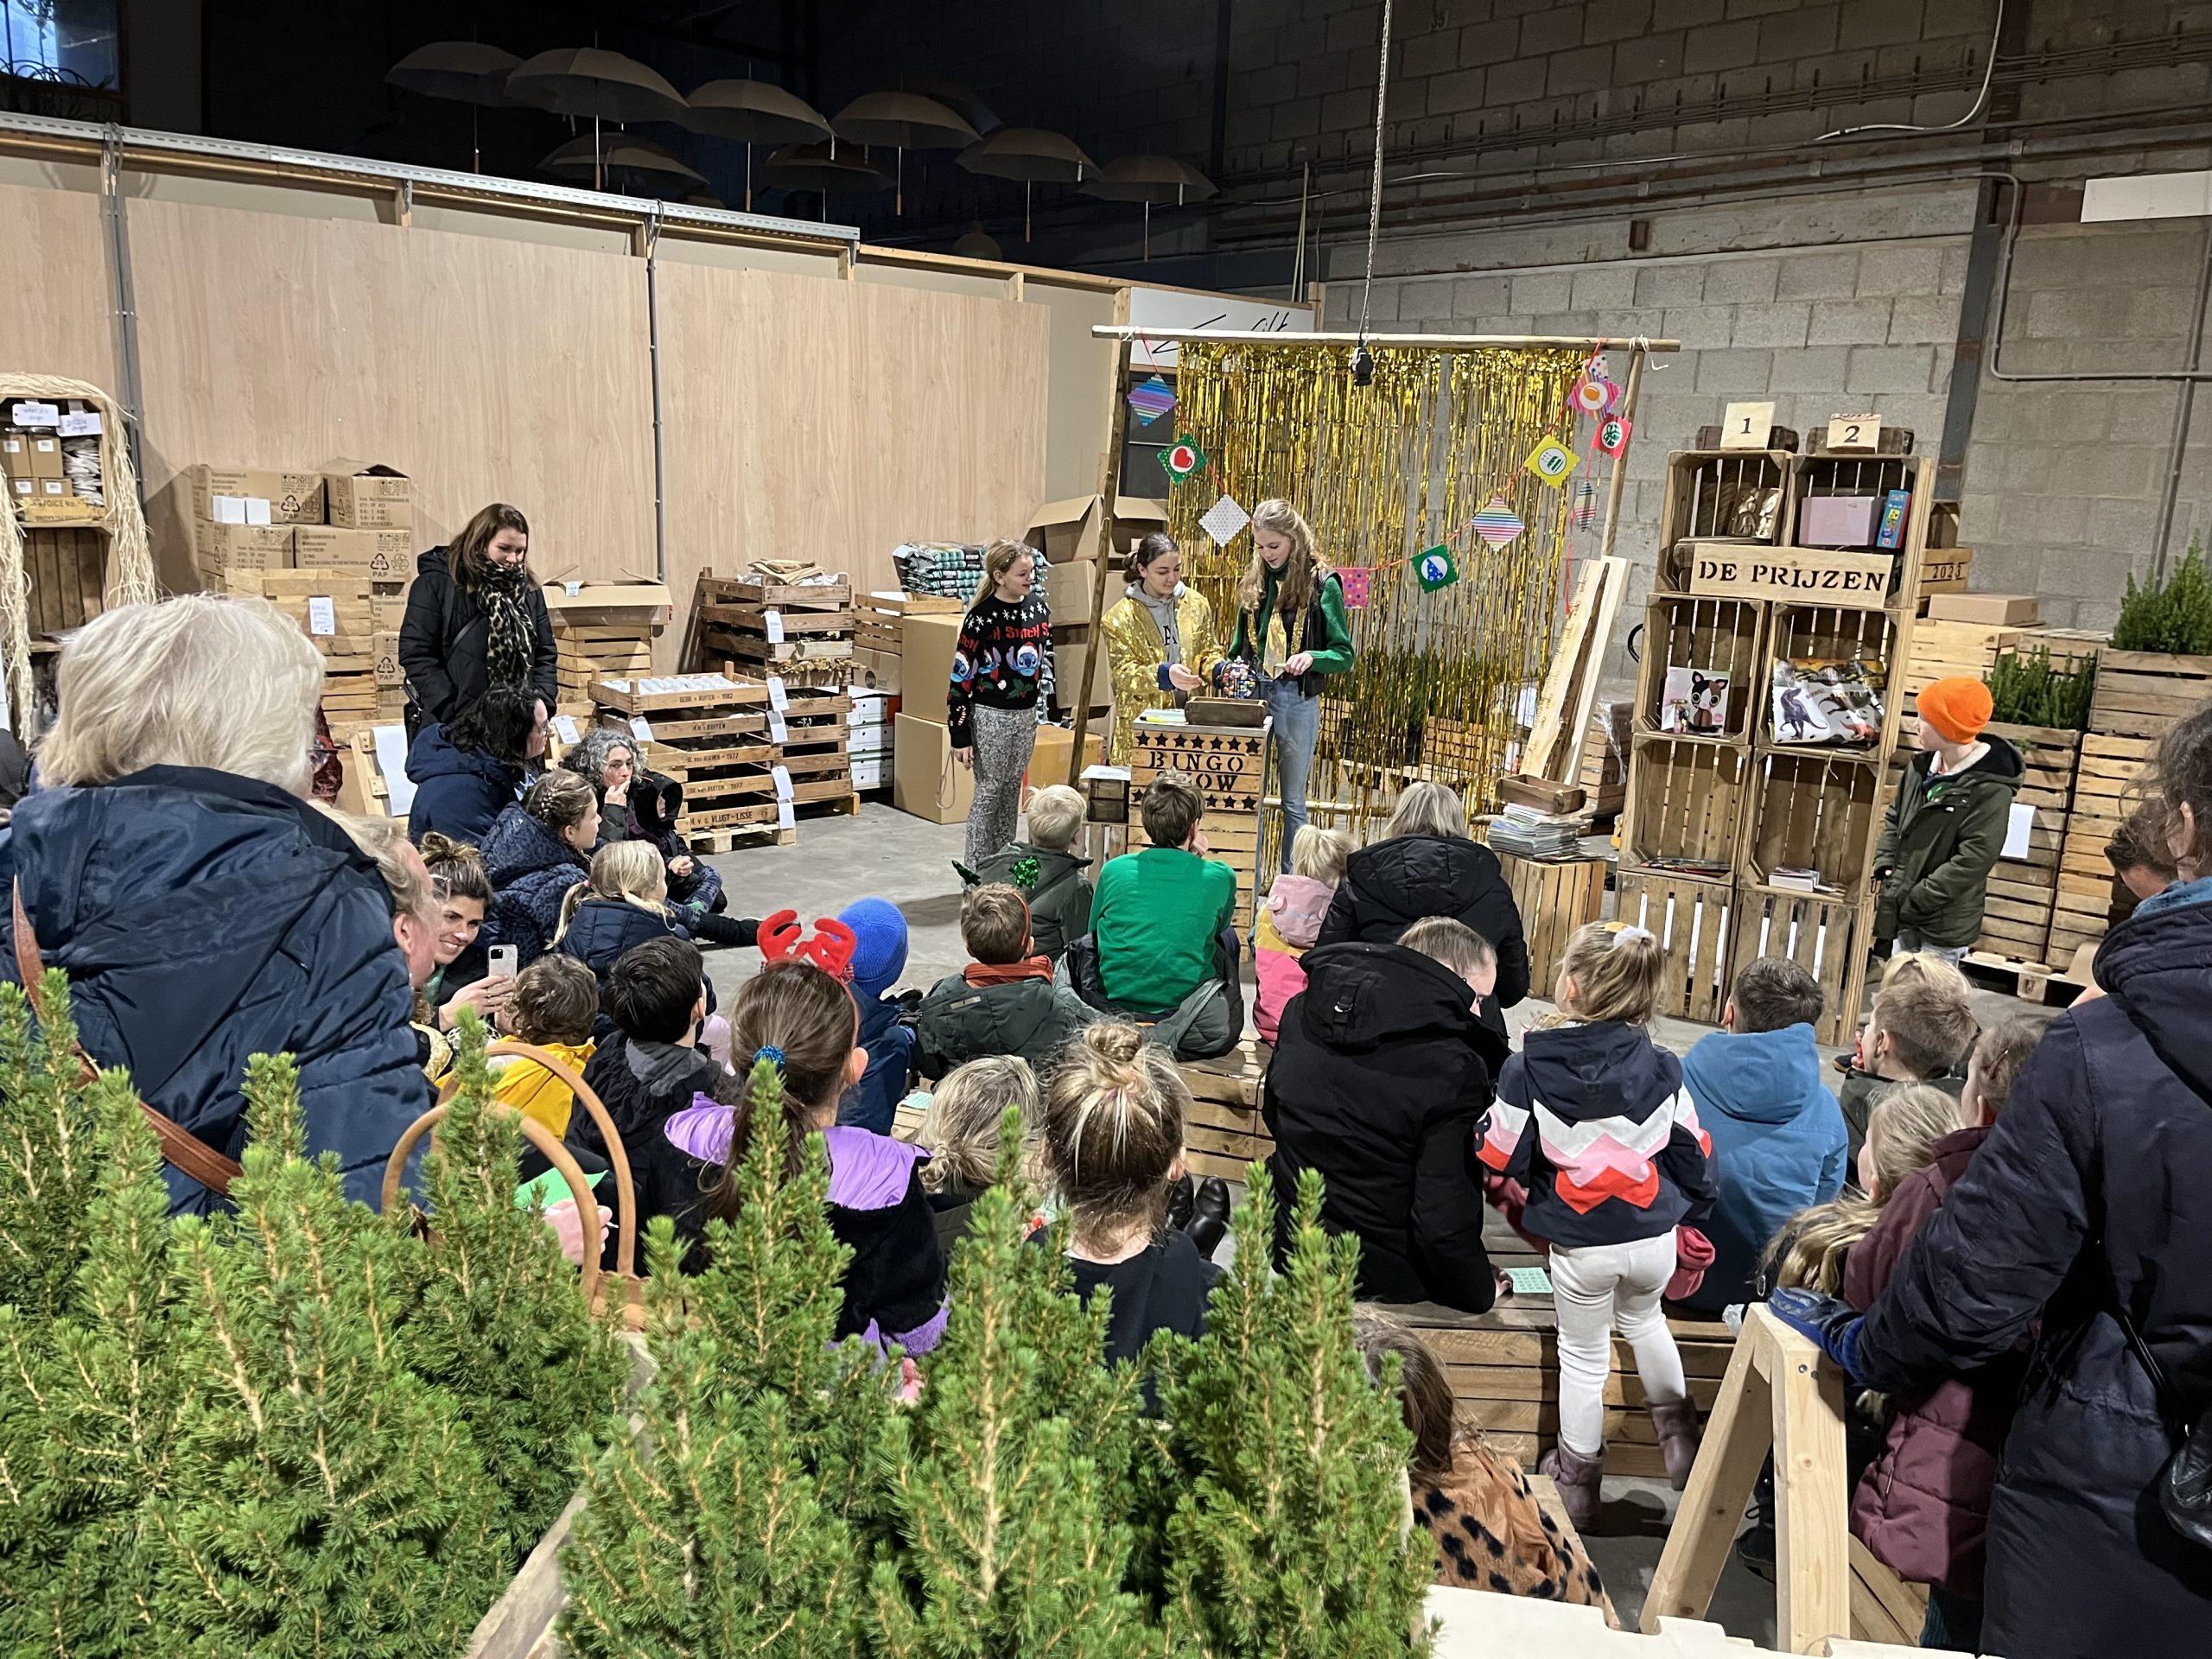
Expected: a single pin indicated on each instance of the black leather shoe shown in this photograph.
(1210, 1224)
(1181, 1198)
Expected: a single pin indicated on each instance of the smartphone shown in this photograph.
(503, 962)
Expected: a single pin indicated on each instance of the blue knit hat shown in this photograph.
(879, 943)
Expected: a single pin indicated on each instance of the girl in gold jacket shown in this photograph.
(1160, 639)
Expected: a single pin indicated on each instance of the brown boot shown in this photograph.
(1678, 1439)
(1577, 1478)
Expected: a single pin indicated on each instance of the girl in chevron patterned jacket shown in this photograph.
(1593, 1118)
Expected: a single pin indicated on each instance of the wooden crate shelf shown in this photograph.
(683, 692)
(1685, 802)
(2016, 918)
(1831, 633)
(1719, 496)
(1815, 811)
(1710, 637)
(1224, 1133)
(1868, 475)
(1554, 896)
(2106, 790)
(1829, 940)
(1692, 920)
(2141, 693)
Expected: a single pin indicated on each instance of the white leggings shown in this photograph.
(1593, 1287)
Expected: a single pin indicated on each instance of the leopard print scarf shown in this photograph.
(510, 651)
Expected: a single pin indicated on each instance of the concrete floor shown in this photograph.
(908, 860)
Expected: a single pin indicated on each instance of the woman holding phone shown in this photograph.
(1160, 638)
(465, 974)
(1292, 628)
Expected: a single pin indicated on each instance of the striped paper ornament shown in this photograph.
(1497, 524)
(1584, 513)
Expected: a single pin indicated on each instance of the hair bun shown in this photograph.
(1117, 1042)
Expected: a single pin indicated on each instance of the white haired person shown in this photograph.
(206, 912)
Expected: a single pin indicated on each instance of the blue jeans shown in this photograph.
(1297, 724)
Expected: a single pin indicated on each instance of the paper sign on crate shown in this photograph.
(1747, 571)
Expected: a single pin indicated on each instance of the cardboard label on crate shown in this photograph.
(566, 726)
(782, 777)
(1746, 426)
(777, 698)
(30, 414)
(1855, 435)
(1817, 576)
(322, 615)
(785, 817)
(779, 727)
(641, 728)
(79, 426)
(774, 622)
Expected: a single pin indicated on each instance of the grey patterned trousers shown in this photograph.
(1004, 738)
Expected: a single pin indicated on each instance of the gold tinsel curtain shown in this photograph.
(1381, 472)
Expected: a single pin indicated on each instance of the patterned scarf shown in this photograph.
(510, 650)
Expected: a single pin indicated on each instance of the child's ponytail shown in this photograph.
(1113, 1127)
(804, 1023)
(1616, 971)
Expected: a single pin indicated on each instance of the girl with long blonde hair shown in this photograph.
(1002, 676)
(1293, 632)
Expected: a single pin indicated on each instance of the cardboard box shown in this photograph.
(1839, 520)
(362, 497)
(871, 771)
(44, 451)
(14, 455)
(387, 611)
(23, 487)
(389, 673)
(877, 670)
(1048, 762)
(1067, 590)
(2005, 610)
(1946, 570)
(587, 603)
(1066, 531)
(1068, 664)
(926, 646)
(51, 488)
(926, 780)
(293, 498)
(382, 555)
(242, 547)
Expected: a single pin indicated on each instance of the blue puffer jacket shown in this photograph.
(604, 928)
(531, 870)
(458, 792)
(204, 917)
(2093, 1191)
(1778, 1138)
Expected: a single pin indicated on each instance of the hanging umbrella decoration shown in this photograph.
(754, 112)
(627, 160)
(818, 168)
(465, 71)
(1148, 179)
(904, 121)
(584, 80)
(1031, 155)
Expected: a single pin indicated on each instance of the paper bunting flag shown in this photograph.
(1591, 395)
(1436, 568)
(1150, 399)
(1612, 433)
(1355, 584)
(1584, 513)
(1552, 461)
(1182, 458)
(1224, 521)
(1497, 524)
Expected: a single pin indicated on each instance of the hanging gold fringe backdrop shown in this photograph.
(1381, 472)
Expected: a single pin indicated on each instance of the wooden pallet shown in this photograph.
(737, 838)
(2031, 982)
(684, 691)
(1693, 919)
(1828, 939)
(2141, 693)
(1553, 898)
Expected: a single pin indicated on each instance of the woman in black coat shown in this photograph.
(2093, 1195)
(468, 772)
(476, 618)
(1425, 863)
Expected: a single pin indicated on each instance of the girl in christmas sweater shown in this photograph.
(1001, 670)
(1593, 1118)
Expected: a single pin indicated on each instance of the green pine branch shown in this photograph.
(2026, 690)
(2174, 615)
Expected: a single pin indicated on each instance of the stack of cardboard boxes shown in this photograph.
(38, 442)
(333, 549)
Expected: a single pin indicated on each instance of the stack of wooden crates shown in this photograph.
(1712, 814)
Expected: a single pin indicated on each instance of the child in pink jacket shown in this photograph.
(1291, 918)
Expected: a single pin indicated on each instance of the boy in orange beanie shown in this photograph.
(1947, 826)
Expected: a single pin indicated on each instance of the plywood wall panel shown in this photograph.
(486, 370)
(833, 420)
(57, 308)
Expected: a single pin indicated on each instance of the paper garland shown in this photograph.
(1436, 567)
(1182, 458)
(1612, 433)
(1224, 521)
(1150, 399)
(1356, 584)
(1497, 524)
(1552, 461)
(1584, 513)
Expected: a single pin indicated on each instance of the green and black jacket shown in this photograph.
(1938, 842)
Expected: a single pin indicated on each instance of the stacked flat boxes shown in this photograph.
(602, 631)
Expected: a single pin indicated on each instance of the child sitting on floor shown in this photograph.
(805, 1023)
(961, 1134)
(645, 1064)
(879, 929)
(1591, 1117)
(1113, 1135)
(1921, 1030)
(1290, 917)
(1050, 875)
(555, 1006)
(620, 905)
(1003, 1002)
(1473, 1503)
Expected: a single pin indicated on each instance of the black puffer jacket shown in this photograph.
(602, 929)
(531, 870)
(1381, 1073)
(1393, 883)
(2096, 1185)
(443, 640)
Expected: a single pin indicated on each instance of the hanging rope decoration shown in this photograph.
(1382, 471)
